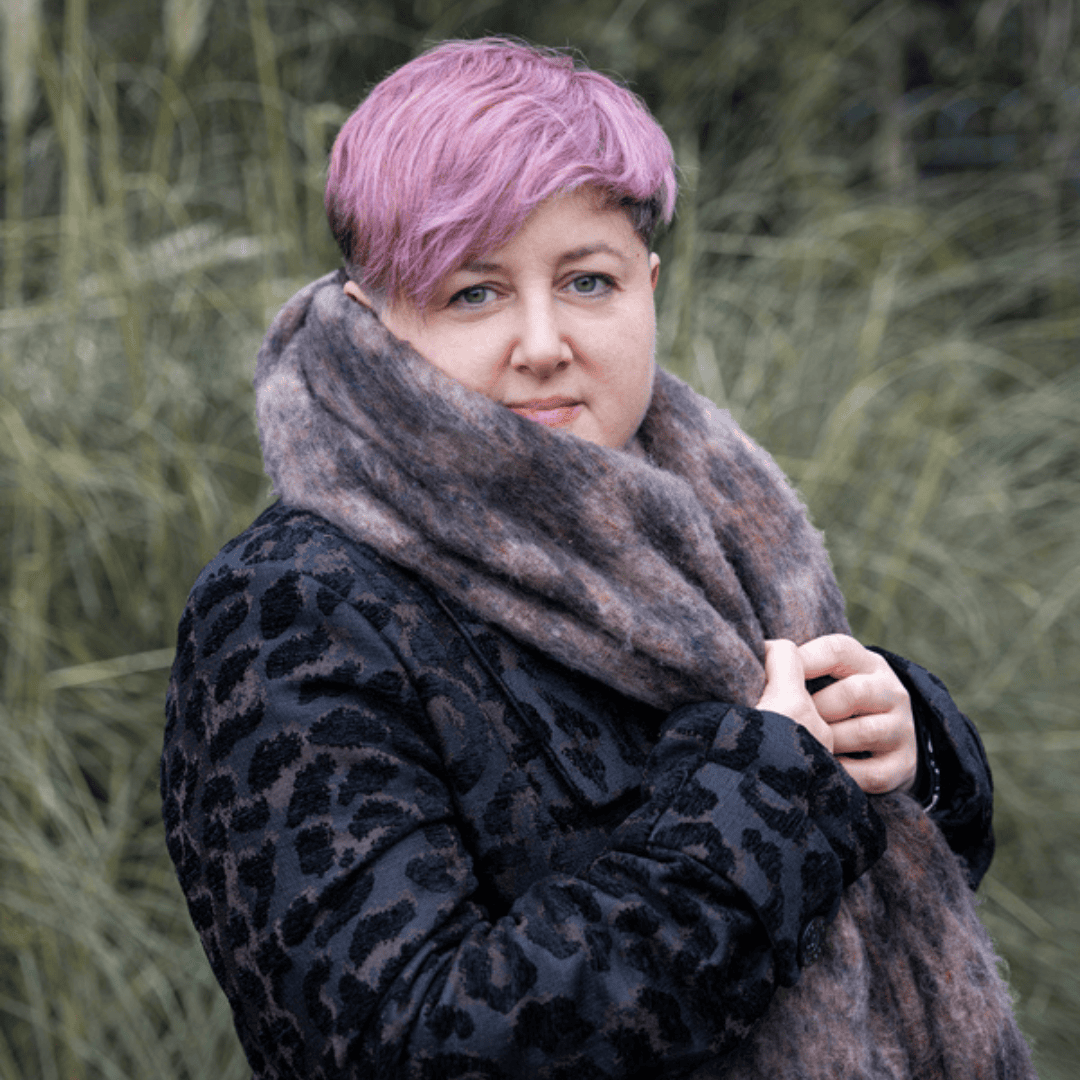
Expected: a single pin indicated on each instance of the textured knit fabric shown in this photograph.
(659, 572)
(941, 1011)
(416, 847)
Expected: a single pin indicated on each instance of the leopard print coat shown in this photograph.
(415, 847)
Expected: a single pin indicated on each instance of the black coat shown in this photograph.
(414, 847)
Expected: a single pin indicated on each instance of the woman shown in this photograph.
(490, 750)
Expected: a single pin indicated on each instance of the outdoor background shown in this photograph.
(875, 265)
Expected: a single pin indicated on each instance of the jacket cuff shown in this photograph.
(799, 769)
(926, 790)
(964, 807)
(763, 805)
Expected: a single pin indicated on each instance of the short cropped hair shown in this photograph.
(446, 158)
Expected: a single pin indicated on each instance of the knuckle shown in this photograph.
(848, 700)
(837, 646)
(880, 664)
(872, 731)
(888, 678)
(859, 694)
(877, 777)
(841, 653)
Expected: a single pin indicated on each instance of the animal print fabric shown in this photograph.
(415, 848)
(906, 984)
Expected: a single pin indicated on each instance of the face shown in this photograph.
(557, 324)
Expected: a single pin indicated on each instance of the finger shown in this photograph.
(858, 695)
(785, 687)
(877, 733)
(783, 665)
(838, 655)
(785, 690)
(880, 774)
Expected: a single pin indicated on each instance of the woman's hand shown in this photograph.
(786, 693)
(866, 709)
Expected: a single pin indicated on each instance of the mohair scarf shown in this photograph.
(659, 570)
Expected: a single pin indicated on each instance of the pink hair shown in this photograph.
(446, 158)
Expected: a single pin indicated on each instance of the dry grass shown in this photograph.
(907, 349)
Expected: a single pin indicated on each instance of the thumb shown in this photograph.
(785, 690)
(783, 664)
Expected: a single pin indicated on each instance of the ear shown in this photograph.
(353, 290)
(654, 270)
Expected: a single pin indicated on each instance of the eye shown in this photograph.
(473, 295)
(591, 284)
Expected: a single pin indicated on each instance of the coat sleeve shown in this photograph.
(963, 806)
(317, 842)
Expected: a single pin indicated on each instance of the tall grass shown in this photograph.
(904, 342)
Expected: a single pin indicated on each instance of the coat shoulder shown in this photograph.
(286, 540)
(293, 605)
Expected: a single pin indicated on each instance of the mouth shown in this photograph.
(551, 412)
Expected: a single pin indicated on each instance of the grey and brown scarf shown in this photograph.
(660, 571)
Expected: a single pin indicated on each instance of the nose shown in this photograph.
(541, 347)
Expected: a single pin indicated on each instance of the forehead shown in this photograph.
(488, 265)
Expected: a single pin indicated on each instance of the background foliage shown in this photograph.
(875, 265)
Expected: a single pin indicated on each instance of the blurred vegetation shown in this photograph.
(875, 265)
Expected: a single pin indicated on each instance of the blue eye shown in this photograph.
(472, 295)
(590, 284)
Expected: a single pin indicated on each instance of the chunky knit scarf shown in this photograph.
(659, 570)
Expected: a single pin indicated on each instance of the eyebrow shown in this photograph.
(478, 266)
(592, 249)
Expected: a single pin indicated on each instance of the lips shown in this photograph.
(551, 412)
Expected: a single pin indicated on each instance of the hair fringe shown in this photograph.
(447, 156)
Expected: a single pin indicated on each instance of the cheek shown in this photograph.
(638, 353)
(644, 365)
(642, 392)
(629, 380)
(463, 353)
(466, 363)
